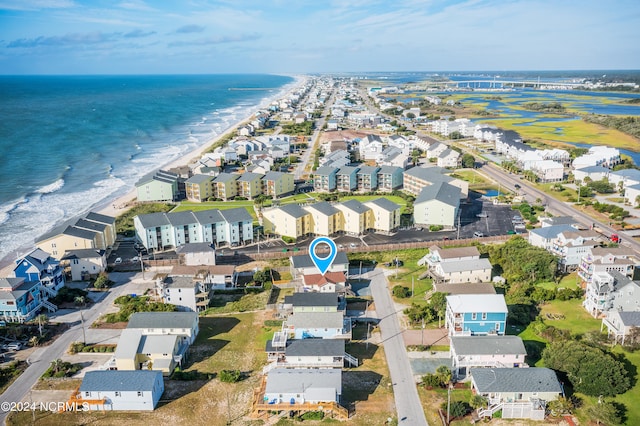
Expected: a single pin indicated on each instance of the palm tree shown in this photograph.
(56, 365)
(34, 341)
(80, 300)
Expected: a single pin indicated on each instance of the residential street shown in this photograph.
(408, 404)
(42, 357)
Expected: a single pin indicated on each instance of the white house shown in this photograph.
(621, 324)
(611, 291)
(110, 390)
(303, 265)
(485, 351)
(570, 246)
(457, 265)
(183, 324)
(85, 263)
(197, 254)
(595, 173)
(323, 325)
(448, 158)
(299, 386)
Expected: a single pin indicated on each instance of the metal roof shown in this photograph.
(300, 381)
(122, 381)
(477, 303)
(163, 320)
(311, 320)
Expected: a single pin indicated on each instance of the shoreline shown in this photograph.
(115, 205)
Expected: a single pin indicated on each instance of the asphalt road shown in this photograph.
(41, 358)
(558, 207)
(408, 404)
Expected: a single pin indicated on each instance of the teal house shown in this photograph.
(476, 315)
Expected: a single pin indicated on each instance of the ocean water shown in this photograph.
(70, 143)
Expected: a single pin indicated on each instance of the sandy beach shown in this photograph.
(117, 206)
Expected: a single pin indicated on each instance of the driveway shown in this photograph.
(405, 392)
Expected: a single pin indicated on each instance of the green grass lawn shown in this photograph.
(221, 205)
(568, 281)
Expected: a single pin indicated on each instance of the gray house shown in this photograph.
(518, 392)
(485, 351)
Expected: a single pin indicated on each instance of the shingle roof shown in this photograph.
(83, 254)
(90, 225)
(181, 218)
(630, 318)
(440, 191)
(487, 345)
(389, 170)
(368, 170)
(123, 381)
(385, 204)
(304, 261)
(550, 232)
(355, 206)
(198, 179)
(97, 217)
(225, 177)
(238, 214)
(347, 170)
(162, 320)
(515, 380)
(323, 207)
(80, 233)
(294, 210)
(315, 347)
(248, 177)
(312, 299)
(327, 278)
(205, 217)
(325, 171)
(195, 248)
(273, 175)
(153, 220)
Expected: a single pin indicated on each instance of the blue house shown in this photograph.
(325, 179)
(39, 266)
(390, 178)
(347, 179)
(20, 300)
(476, 314)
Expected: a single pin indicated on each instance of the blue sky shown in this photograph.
(298, 36)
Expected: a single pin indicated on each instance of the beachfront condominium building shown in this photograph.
(324, 179)
(160, 185)
(347, 179)
(368, 178)
(437, 205)
(417, 178)
(325, 219)
(249, 185)
(92, 231)
(277, 184)
(289, 220)
(357, 217)
(385, 213)
(389, 178)
(225, 186)
(160, 231)
(199, 188)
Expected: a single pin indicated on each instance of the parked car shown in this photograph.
(478, 234)
(118, 261)
(482, 215)
(353, 245)
(15, 346)
(135, 259)
(395, 262)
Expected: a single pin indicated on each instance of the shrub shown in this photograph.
(273, 323)
(230, 376)
(431, 380)
(312, 415)
(401, 292)
(435, 228)
(76, 347)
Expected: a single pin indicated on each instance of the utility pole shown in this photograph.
(84, 338)
(413, 293)
(141, 265)
(448, 400)
(422, 336)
